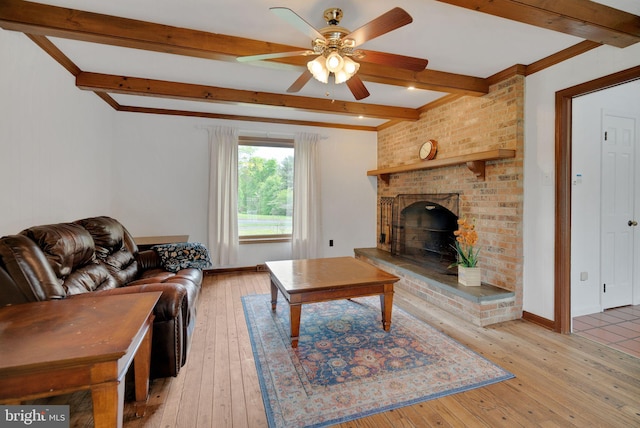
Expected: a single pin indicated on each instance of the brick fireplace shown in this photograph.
(461, 126)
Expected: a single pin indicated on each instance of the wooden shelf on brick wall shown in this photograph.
(475, 162)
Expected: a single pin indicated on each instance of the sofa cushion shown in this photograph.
(88, 278)
(108, 236)
(70, 251)
(65, 245)
(183, 255)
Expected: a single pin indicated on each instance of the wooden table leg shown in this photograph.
(294, 316)
(274, 295)
(108, 404)
(386, 303)
(141, 364)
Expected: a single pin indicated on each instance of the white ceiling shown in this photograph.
(453, 39)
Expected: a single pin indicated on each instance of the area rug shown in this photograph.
(347, 367)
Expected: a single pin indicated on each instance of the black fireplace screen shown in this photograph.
(423, 226)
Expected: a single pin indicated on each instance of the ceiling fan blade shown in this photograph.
(296, 21)
(263, 57)
(300, 81)
(395, 18)
(357, 88)
(392, 60)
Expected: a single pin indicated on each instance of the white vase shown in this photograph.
(469, 276)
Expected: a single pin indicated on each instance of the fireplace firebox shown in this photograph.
(423, 227)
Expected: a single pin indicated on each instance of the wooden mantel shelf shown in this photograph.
(475, 162)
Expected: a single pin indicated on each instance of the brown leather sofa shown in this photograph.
(98, 256)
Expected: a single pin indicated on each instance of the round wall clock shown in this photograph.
(428, 150)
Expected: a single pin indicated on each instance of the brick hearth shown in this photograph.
(481, 306)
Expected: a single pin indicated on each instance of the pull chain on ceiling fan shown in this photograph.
(335, 49)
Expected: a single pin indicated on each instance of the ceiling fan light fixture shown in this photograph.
(350, 68)
(334, 62)
(341, 77)
(318, 69)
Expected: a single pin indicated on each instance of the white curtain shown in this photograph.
(223, 195)
(307, 226)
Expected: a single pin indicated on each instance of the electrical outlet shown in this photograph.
(331, 242)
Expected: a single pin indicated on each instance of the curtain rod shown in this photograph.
(275, 135)
(262, 134)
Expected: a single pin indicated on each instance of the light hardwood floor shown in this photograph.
(561, 380)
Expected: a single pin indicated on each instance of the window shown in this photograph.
(265, 189)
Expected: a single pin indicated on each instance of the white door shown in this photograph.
(618, 221)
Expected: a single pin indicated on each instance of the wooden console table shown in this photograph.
(146, 242)
(60, 346)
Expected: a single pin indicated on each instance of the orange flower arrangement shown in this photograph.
(466, 238)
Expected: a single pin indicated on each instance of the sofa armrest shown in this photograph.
(172, 302)
(30, 277)
(148, 259)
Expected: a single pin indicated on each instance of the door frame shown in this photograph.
(563, 157)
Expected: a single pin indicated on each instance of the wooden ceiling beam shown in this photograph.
(207, 115)
(581, 18)
(44, 20)
(54, 21)
(55, 53)
(186, 91)
(431, 80)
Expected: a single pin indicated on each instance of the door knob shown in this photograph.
(632, 223)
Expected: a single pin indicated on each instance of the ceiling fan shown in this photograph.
(335, 48)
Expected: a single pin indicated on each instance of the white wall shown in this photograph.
(54, 141)
(160, 185)
(586, 194)
(539, 163)
(348, 194)
(160, 175)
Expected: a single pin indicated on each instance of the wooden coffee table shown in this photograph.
(320, 280)
(60, 346)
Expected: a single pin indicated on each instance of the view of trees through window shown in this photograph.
(265, 190)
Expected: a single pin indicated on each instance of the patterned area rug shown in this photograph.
(347, 367)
